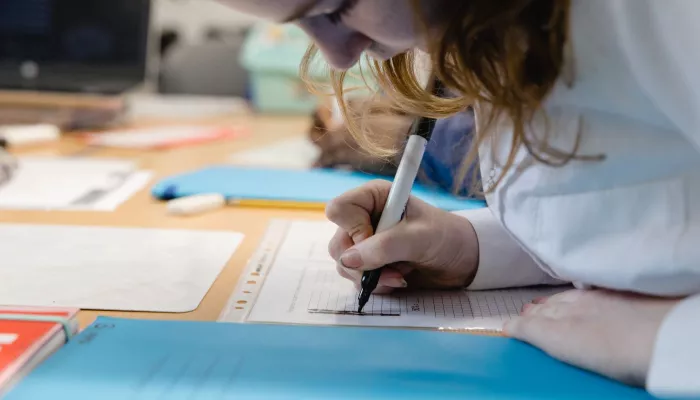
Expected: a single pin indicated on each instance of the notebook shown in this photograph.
(284, 185)
(25, 341)
(140, 359)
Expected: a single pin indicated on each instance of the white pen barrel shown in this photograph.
(403, 183)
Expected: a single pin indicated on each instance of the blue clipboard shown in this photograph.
(117, 359)
(305, 186)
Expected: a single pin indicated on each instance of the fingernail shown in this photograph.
(539, 300)
(396, 283)
(351, 259)
(358, 237)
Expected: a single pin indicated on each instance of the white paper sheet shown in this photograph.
(160, 136)
(300, 285)
(297, 153)
(104, 268)
(62, 183)
(185, 107)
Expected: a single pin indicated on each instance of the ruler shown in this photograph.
(252, 279)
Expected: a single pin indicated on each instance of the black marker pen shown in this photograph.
(399, 194)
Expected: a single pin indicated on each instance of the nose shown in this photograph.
(340, 46)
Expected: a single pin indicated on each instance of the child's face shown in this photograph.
(344, 29)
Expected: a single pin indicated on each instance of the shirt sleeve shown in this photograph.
(445, 152)
(660, 40)
(675, 363)
(502, 262)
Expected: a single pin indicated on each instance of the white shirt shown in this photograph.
(632, 220)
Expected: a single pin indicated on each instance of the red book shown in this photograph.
(25, 343)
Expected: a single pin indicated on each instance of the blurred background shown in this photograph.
(161, 85)
(164, 86)
(143, 53)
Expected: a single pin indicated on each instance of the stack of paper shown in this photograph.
(28, 336)
(63, 183)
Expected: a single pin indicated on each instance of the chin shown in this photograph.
(381, 53)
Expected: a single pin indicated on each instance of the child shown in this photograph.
(442, 164)
(588, 131)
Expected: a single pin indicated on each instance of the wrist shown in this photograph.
(463, 238)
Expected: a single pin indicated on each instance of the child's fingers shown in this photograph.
(350, 274)
(390, 278)
(340, 242)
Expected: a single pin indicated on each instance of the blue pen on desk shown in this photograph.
(398, 197)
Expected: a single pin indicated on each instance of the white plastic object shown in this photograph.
(16, 135)
(196, 204)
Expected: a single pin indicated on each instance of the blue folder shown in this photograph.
(311, 186)
(118, 359)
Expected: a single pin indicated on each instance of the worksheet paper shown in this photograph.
(296, 282)
(127, 269)
(161, 137)
(64, 183)
(295, 153)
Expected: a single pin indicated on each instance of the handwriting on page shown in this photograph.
(438, 304)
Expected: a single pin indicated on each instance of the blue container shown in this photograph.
(272, 54)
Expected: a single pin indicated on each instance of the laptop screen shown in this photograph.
(45, 43)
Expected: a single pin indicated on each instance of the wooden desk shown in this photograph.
(143, 211)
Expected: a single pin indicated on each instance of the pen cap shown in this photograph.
(195, 204)
(424, 126)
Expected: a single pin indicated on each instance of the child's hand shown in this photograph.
(610, 333)
(339, 148)
(430, 248)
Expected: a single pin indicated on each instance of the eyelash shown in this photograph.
(337, 16)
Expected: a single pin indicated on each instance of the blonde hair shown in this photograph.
(504, 54)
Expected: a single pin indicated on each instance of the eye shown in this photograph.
(345, 7)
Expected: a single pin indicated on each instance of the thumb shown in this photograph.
(399, 244)
(531, 329)
(353, 210)
(545, 333)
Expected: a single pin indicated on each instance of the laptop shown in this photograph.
(75, 46)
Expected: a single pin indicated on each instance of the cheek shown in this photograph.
(341, 46)
(273, 10)
(387, 22)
